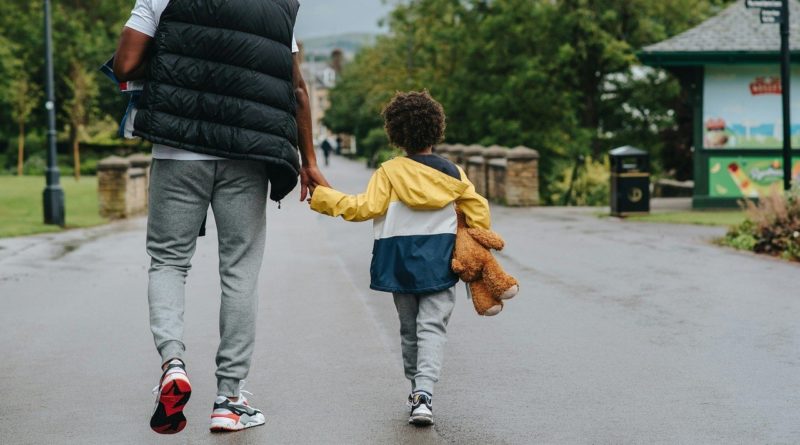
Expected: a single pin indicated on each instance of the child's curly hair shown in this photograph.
(414, 121)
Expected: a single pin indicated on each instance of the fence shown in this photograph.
(502, 175)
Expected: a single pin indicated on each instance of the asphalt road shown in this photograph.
(622, 333)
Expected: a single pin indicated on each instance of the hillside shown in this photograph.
(350, 43)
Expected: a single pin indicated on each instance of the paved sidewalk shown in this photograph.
(623, 333)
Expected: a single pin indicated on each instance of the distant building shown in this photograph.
(320, 78)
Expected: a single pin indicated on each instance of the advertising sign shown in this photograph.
(742, 107)
(749, 177)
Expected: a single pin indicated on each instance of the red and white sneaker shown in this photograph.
(172, 394)
(234, 416)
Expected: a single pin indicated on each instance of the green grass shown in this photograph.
(703, 218)
(21, 205)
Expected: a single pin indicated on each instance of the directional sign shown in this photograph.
(763, 3)
(771, 15)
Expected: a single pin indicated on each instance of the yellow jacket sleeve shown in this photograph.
(372, 203)
(474, 206)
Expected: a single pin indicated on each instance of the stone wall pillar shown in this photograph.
(466, 154)
(493, 152)
(455, 152)
(136, 194)
(497, 180)
(476, 167)
(443, 150)
(522, 177)
(112, 187)
(142, 161)
(123, 186)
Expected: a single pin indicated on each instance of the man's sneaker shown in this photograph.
(421, 410)
(234, 416)
(171, 396)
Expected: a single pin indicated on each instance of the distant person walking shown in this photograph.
(327, 148)
(226, 107)
(338, 145)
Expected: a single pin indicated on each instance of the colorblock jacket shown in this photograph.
(412, 206)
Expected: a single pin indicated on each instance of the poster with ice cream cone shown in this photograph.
(747, 177)
(742, 107)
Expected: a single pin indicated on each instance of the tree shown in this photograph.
(84, 32)
(82, 83)
(25, 95)
(557, 75)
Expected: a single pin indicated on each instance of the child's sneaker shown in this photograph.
(234, 416)
(171, 396)
(421, 409)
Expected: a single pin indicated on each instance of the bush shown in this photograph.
(590, 188)
(375, 142)
(384, 155)
(89, 167)
(35, 166)
(772, 226)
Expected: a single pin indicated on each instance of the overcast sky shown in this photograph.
(328, 17)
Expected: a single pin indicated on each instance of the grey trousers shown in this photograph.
(180, 193)
(423, 333)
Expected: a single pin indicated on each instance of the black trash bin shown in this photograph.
(630, 181)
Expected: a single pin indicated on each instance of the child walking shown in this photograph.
(412, 201)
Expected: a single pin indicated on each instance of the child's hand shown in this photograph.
(310, 176)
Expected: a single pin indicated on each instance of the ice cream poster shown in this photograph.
(749, 177)
(742, 107)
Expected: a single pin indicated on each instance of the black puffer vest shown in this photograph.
(220, 83)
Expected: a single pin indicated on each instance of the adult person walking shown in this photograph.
(326, 151)
(225, 106)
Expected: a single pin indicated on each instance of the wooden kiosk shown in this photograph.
(730, 66)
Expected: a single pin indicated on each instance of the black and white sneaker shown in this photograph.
(234, 416)
(421, 409)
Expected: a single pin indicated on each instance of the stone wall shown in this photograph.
(123, 186)
(502, 175)
(476, 172)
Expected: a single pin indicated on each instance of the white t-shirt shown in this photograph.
(144, 18)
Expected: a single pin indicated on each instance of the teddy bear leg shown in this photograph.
(499, 283)
(483, 301)
(510, 293)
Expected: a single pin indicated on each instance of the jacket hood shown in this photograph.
(422, 187)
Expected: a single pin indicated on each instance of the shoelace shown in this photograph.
(242, 390)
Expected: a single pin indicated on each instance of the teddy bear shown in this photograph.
(488, 283)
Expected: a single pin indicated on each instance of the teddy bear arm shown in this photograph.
(457, 266)
(487, 238)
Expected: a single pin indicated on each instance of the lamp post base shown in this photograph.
(53, 199)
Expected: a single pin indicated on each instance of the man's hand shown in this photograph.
(130, 60)
(310, 178)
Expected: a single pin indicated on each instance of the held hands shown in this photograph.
(310, 178)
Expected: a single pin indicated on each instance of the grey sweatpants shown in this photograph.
(423, 333)
(180, 193)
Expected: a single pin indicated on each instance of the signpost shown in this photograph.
(777, 11)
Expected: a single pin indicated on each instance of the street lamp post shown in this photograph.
(53, 193)
(786, 82)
